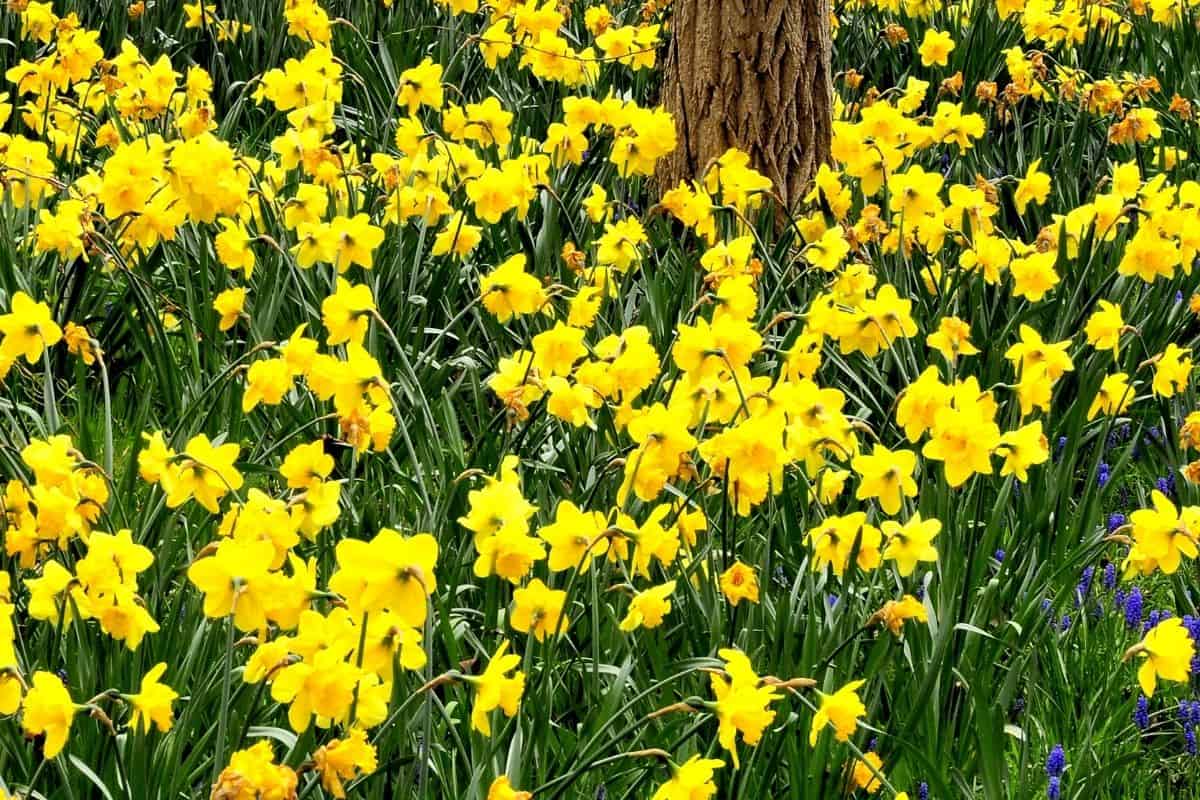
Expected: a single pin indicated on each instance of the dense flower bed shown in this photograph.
(376, 422)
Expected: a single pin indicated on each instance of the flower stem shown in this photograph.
(226, 686)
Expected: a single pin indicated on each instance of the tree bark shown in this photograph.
(751, 74)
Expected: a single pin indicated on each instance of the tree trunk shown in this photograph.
(751, 74)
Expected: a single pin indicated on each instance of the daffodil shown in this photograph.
(839, 711)
(743, 706)
(152, 703)
(496, 688)
(911, 543)
(1167, 651)
(538, 610)
(48, 709)
(886, 475)
(648, 608)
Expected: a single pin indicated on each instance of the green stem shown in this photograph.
(108, 424)
(226, 686)
(50, 404)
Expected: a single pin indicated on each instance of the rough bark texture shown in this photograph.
(752, 74)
